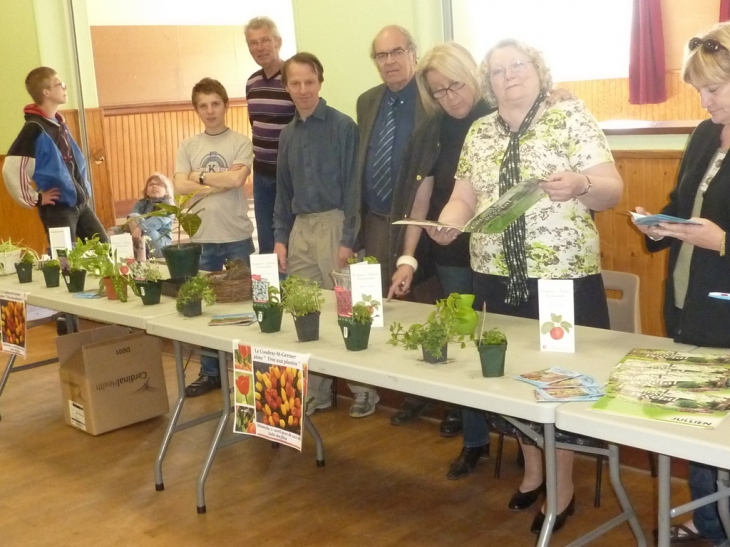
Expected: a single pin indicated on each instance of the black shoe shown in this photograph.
(409, 411)
(61, 326)
(466, 462)
(559, 520)
(203, 385)
(451, 423)
(522, 500)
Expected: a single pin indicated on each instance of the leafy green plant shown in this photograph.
(182, 210)
(301, 296)
(29, 256)
(493, 337)
(362, 312)
(145, 271)
(195, 288)
(274, 300)
(53, 263)
(368, 259)
(7, 246)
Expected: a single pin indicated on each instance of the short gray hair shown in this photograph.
(536, 58)
(410, 43)
(262, 22)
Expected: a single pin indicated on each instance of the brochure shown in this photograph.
(549, 376)
(13, 311)
(269, 393)
(653, 220)
(679, 387)
(495, 218)
(245, 318)
(553, 394)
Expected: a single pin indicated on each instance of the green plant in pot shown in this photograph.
(51, 272)
(147, 282)
(88, 255)
(269, 313)
(356, 329)
(433, 336)
(303, 299)
(9, 254)
(115, 276)
(24, 268)
(492, 347)
(192, 294)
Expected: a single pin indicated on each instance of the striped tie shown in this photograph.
(383, 176)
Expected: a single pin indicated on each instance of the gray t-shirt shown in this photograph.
(224, 214)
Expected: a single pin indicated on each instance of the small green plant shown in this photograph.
(29, 256)
(493, 337)
(301, 296)
(362, 312)
(274, 297)
(145, 271)
(368, 259)
(8, 246)
(182, 210)
(194, 289)
(53, 263)
(91, 255)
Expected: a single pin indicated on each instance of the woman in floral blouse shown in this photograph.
(562, 145)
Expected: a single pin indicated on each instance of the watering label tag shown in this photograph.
(557, 321)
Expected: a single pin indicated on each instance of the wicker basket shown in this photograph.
(232, 285)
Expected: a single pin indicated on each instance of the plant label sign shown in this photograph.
(365, 280)
(123, 245)
(12, 322)
(59, 238)
(264, 273)
(557, 320)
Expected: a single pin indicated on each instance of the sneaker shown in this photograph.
(313, 403)
(203, 385)
(364, 405)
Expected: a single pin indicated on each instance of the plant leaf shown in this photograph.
(546, 327)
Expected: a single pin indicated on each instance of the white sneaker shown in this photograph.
(364, 404)
(313, 403)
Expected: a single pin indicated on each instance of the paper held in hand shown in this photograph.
(653, 220)
(495, 218)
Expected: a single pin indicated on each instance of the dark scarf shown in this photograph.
(513, 238)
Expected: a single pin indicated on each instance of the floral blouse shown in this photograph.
(561, 239)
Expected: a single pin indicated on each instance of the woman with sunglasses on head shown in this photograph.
(698, 262)
(563, 146)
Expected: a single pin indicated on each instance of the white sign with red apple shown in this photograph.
(557, 315)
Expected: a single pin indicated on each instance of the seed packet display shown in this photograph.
(566, 394)
(13, 322)
(548, 376)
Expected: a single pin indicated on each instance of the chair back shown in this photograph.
(623, 312)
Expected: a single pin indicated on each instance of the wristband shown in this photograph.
(407, 260)
(588, 187)
(722, 244)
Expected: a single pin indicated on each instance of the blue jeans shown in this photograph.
(264, 197)
(703, 482)
(476, 428)
(213, 257)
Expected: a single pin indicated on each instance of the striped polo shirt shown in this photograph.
(270, 109)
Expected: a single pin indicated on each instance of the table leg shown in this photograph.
(665, 500)
(180, 370)
(222, 422)
(319, 447)
(551, 485)
(623, 498)
(723, 505)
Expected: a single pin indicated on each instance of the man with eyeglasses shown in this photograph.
(387, 115)
(270, 108)
(45, 154)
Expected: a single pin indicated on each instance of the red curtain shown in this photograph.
(724, 10)
(647, 82)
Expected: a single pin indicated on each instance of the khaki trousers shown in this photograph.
(314, 243)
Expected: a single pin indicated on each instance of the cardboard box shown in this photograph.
(110, 378)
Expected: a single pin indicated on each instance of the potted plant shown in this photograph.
(269, 313)
(191, 295)
(492, 347)
(51, 272)
(89, 255)
(25, 266)
(303, 299)
(9, 254)
(433, 336)
(356, 329)
(182, 259)
(147, 282)
(115, 276)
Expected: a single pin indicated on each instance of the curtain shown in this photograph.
(724, 10)
(647, 81)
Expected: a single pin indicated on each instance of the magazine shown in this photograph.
(495, 218)
(653, 220)
(679, 387)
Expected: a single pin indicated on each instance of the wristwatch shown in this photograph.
(201, 178)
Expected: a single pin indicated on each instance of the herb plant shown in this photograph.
(301, 296)
(196, 288)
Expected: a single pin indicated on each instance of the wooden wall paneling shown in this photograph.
(99, 168)
(18, 223)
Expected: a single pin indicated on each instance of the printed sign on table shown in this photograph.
(557, 322)
(264, 273)
(366, 281)
(270, 390)
(59, 238)
(123, 245)
(13, 322)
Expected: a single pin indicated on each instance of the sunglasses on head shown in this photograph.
(710, 45)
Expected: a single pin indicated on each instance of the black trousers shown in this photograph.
(82, 221)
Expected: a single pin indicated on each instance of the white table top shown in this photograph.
(130, 314)
(458, 381)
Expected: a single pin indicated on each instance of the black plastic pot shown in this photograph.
(52, 275)
(183, 261)
(75, 280)
(430, 358)
(307, 327)
(25, 272)
(269, 317)
(150, 291)
(492, 358)
(193, 308)
(356, 335)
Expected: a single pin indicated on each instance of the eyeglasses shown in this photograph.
(441, 93)
(514, 68)
(264, 42)
(58, 84)
(396, 53)
(710, 45)
(158, 183)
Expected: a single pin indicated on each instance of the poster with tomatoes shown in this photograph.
(557, 315)
(12, 322)
(269, 393)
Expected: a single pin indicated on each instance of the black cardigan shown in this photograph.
(703, 321)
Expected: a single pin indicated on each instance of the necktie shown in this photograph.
(383, 176)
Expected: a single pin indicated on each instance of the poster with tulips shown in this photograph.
(269, 393)
(13, 322)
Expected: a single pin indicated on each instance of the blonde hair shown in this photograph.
(536, 58)
(169, 192)
(702, 67)
(38, 80)
(454, 62)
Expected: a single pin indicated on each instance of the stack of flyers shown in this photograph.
(557, 384)
(245, 318)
